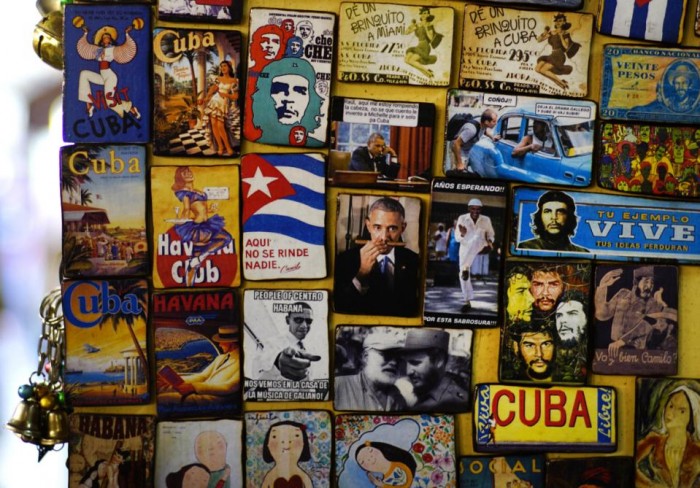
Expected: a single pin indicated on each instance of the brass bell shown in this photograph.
(26, 421)
(48, 39)
(45, 7)
(56, 429)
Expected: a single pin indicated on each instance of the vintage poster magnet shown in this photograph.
(545, 336)
(286, 345)
(402, 368)
(649, 158)
(111, 449)
(103, 204)
(667, 415)
(646, 21)
(558, 4)
(197, 353)
(590, 471)
(650, 84)
(636, 320)
(106, 73)
(522, 51)
(598, 226)
(519, 138)
(386, 450)
(284, 214)
(106, 342)
(195, 226)
(466, 236)
(393, 140)
(526, 471)
(196, 78)
(555, 418)
(290, 59)
(205, 11)
(290, 447)
(198, 451)
(395, 44)
(377, 240)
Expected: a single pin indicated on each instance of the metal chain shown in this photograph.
(50, 349)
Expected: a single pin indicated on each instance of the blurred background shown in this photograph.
(30, 229)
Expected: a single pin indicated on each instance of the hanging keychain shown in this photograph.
(41, 418)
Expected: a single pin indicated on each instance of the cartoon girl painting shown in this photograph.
(286, 445)
(387, 466)
(372, 462)
(206, 233)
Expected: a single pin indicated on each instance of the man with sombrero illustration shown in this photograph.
(221, 377)
(105, 51)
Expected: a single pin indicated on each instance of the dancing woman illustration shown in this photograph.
(219, 102)
(419, 55)
(105, 51)
(554, 64)
(207, 234)
(387, 466)
(287, 444)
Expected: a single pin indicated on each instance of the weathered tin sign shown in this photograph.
(601, 226)
(395, 44)
(210, 11)
(590, 472)
(285, 345)
(284, 211)
(466, 236)
(651, 84)
(198, 111)
(392, 139)
(666, 415)
(545, 336)
(390, 450)
(387, 231)
(636, 320)
(524, 51)
(290, 58)
(385, 368)
(107, 51)
(290, 447)
(649, 159)
(644, 20)
(555, 4)
(501, 471)
(519, 138)
(540, 419)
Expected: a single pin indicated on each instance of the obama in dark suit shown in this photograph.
(380, 277)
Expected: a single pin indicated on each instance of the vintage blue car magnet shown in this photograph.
(519, 138)
(599, 226)
(555, 418)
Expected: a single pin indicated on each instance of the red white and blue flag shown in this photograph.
(651, 20)
(284, 212)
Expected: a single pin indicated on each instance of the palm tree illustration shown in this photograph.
(122, 288)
